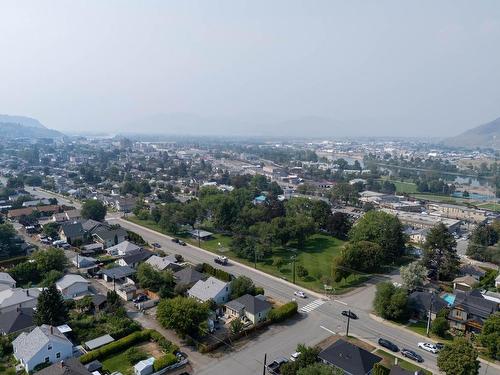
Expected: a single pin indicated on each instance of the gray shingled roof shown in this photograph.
(70, 279)
(16, 320)
(205, 290)
(118, 272)
(252, 304)
(70, 366)
(29, 344)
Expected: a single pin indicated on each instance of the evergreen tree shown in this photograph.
(50, 308)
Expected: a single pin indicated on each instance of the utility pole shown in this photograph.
(264, 369)
(255, 257)
(293, 259)
(348, 322)
(429, 314)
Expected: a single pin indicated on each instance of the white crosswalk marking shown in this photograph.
(311, 306)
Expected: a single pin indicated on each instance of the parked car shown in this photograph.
(175, 239)
(412, 355)
(427, 346)
(156, 244)
(222, 260)
(182, 243)
(274, 366)
(300, 294)
(140, 298)
(388, 344)
(439, 345)
(349, 314)
(294, 356)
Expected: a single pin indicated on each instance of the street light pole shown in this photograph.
(429, 315)
(348, 322)
(293, 259)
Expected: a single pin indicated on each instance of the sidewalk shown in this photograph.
(424, 338)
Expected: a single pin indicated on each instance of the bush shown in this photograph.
(379, 369)
(164, 361)
(116, 346)
(302, 271)
(216, 272)
(166, 345)
(284, 312)
(440, 326)
(134, 355)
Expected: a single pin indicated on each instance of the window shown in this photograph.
(47, 359)
(49, 347)
(58, 355)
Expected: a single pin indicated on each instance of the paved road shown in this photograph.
(315, 325)
(320, 321)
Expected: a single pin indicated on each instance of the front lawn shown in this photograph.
(389, 361)
(420, 327)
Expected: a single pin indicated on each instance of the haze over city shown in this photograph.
(325, 68)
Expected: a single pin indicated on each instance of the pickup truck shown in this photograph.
(222, 260)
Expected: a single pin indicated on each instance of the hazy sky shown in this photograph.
(425, 68)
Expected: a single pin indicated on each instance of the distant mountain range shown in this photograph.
(25, 127)
(482, 136)
(250, 125)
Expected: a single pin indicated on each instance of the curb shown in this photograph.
(388, 323)
(262, 273)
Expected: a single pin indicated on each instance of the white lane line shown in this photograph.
(313, 305)
(339, 301)
(326, 329)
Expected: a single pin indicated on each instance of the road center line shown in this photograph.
(326, 329)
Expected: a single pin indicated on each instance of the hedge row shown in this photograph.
(216, 272)
(117, 346)
(283, 312)
(164, 361)
(166, 345)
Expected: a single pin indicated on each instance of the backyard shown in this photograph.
(120, 362)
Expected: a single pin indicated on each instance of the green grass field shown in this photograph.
(389, 360)
(489, 206)
(118, 363)
(317, 257)
(441, 198)
(405, 187)
(420, 327)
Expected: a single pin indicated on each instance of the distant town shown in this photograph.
(123, 256)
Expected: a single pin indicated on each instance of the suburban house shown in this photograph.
(90, 226)
(71, 215)
(123, 248)
(70, 366)
(6, 281)
(122, 284)
(85, 263)
(464, 283)
(72, 286)
(472, 271)
(253, 308)
(188, 276)
(16, 321)
(470, 310)
(72, 232)
(44, 344)
(110, 237)
(91, 249)
(421, 303)
(12, 299)
(211, 288)
(349, 358)
(201, 234)
(132, 259)
(163, 263)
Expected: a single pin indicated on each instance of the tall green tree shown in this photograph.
(93, 209)
(490, 336)
(9, 247)
(242, 285)
(413, 275)
(154, 280)
(383, 229)
(184, 315)
(391, 302)
(50, 308)
(51, 259)
(458, 358)
(345, 193)
(440, 252)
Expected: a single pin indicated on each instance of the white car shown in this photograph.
(294, 356)
(428, 347)
(300, 294)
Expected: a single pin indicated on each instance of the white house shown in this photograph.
(122, 249)
(12, 299)
(6, 281)
(211, 288)
(45, 344)
(255, 309)
(72, 286)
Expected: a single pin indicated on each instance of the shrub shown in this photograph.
(164, 361)
(379, 369)
(216, 272)
(116, 346)
(440, 326)
(134, 355)
(284, 312)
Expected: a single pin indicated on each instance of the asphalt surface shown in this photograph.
(312, 327)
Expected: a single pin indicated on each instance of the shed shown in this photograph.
(98, 342)
(144, 367)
